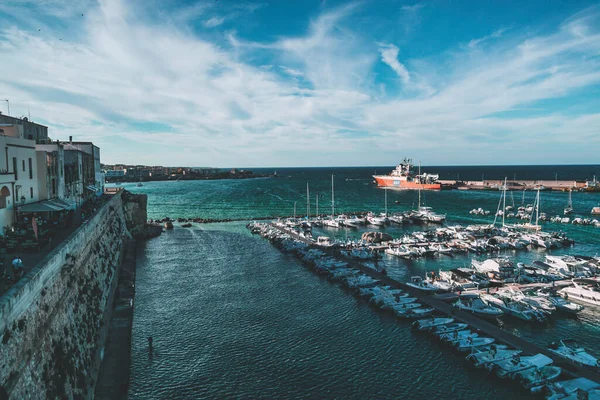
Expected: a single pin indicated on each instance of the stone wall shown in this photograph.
(51, 321)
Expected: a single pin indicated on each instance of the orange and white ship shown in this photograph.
(403, 178)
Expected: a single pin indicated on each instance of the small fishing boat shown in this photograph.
(508, 367)
(449, 328)
(568, 348)
(454, 337)
(482, 358)
(430, 323)
(470, 342)
(413, 312)
(475, 305)
(418, 283)
(535, 377)
(561, 304)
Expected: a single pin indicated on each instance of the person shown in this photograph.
(17, 266)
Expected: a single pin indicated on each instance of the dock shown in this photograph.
(496, 184)
(475, 322)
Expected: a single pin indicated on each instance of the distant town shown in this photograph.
(144, 173)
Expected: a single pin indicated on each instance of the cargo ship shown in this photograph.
(403, 178)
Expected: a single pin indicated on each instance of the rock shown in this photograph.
(375, 237)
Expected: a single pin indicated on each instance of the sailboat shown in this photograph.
(332, 222)
(569, 208)
(382, 219)
(536, 207)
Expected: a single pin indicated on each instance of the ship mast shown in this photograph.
(317, 211)
(294, 210)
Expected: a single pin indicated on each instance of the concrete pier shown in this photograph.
(495, 184)
(475, 322)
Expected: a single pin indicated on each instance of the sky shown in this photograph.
(309, 83)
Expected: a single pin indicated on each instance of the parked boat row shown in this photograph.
(535, 373)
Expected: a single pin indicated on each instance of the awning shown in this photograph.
(92, 188)
(41, 206)
(64, 203)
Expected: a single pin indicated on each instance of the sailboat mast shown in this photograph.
(385, 191)
(504, 202)
(317, 211)
(537, 208)
(332, 199)
(294, 210)
(307, 202)
(419, 199)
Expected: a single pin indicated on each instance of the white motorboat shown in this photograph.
(568, 348)
(470, 342)
(482, 358)
(454, 337)
(514, 308)
(430, 323)
(331, 223)
(535, 377)
(449, 328)
(401, 308)
(323, 241)
(478, 307)
(377, 221)
(571, 389)
(350, 222)
(562, 304)
(401, 251)
(397, 219)
(418, 283)
(507, 368)
(413, 312)
(588, 294)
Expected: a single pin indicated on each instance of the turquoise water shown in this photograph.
(231, 316)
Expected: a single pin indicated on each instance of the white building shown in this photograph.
(18, 172)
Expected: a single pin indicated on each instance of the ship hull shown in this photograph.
(395, 182)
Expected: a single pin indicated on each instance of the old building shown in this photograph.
(18, 172)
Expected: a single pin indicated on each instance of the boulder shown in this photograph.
(375, 237)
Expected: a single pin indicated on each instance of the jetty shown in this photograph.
(499, 334)
(495, 184)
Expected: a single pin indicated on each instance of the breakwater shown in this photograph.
(53, 321)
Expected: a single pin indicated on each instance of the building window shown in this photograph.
(30, 169)
(15, 168)
(23, 165)
(4, 194)
(31, 191)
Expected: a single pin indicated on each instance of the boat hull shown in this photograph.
(396, 182)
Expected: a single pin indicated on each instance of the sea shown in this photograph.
(233, 317)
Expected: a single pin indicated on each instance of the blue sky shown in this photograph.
(309, 83)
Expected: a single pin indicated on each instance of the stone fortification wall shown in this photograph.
(51, 321)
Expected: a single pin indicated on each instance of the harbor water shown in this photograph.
(233, 317)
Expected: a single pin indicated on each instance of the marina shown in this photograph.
(285, 239)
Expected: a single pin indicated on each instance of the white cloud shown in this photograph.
(214, 21)
(117, 73)
(389, 55)
(494, 35)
